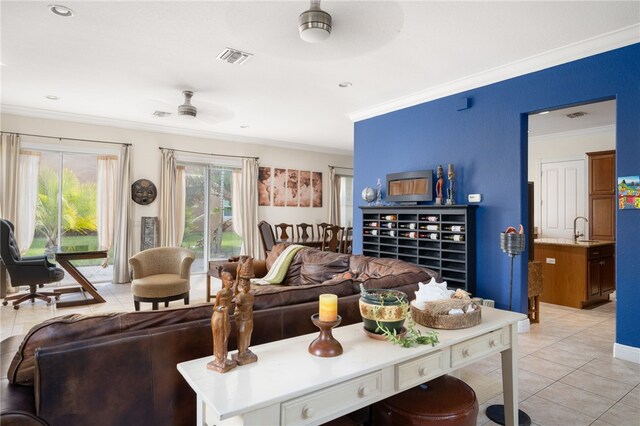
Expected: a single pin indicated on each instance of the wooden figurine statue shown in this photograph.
(439, 185)
(221, 327)
(244, 312)
(450, 175)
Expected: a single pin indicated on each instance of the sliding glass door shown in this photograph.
(208, 225)
(66, 209)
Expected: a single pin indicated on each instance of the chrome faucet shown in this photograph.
(577, 234)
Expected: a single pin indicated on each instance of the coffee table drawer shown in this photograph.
(312, 407)
(418, 371)
(480, 346)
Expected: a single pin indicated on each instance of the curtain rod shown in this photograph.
(340, 167)
(68, 139)
(208, 153)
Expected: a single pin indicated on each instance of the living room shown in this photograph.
(479, 125)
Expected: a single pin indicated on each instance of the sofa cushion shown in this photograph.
(75, 327)
(320, 266)
(271, 296)
(293, 274)
(375, 272)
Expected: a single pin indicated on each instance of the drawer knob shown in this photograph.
(307, 412)
(492, 342)
(465, 352)
(364, 391)
(423, 371)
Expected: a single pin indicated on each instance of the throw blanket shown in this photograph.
(280, 267)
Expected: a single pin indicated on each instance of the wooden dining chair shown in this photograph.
(331, 238)
(321, 227)
(346, 240)
(281, 231)
(305, 231)
(266, 236)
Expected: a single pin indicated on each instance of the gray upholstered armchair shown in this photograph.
(161, 275)
(31, 271)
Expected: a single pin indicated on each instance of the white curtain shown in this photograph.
(9, 158)
(121, 239)
(9, 154)
(106, 200)
(247, 206)
(236, 203)
(172, 201)
(181, 189)
(25, 223)
(334, 197)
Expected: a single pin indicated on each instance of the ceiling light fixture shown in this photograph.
(60, 10)
(543, 112)
(314, 24)
(345, 84)
(52, 97)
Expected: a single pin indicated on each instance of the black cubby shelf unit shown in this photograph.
(438, 238)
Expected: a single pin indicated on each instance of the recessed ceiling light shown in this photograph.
(543, 112)
(345, 84)
(60, 10)
(52, 97)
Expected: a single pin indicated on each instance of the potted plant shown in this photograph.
(383, 308)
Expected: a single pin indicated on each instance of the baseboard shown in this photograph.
(626, 353)
(524, 326)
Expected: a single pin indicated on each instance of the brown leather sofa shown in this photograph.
(120, 368)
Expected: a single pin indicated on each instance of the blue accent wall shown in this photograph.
(487, 143)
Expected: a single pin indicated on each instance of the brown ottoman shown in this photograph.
(445, 401)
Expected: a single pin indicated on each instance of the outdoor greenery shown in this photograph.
(79, 211)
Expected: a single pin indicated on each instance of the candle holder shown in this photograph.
(325, 345)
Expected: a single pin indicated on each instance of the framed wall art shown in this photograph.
(629, 192)
(264, 186)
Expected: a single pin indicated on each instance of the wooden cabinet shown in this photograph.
(438, 238)
(602, 195)
(576, 275)
(601, 274)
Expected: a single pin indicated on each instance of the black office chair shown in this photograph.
(267, 236)
(31, 271)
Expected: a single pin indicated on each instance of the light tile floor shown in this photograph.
(567, 374)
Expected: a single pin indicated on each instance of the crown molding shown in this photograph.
(132, 125)
(582, 49)
(590, 130)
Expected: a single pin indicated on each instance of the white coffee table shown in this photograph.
(289, 386)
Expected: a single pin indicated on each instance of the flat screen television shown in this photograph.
(410, 187)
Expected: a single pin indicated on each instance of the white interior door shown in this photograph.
(562, 197)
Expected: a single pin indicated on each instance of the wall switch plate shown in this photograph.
(551, 260)
(475, 198)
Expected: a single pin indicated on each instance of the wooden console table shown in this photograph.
(288, 386)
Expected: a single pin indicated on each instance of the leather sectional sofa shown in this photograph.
(120, 368)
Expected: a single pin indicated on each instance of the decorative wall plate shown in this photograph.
(143, 192)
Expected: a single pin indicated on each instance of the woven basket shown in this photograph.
(435, 315)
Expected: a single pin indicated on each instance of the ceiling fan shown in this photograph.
(186, 109)
(205, 113)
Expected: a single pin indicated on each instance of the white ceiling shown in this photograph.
(116, 62)
(597, 115)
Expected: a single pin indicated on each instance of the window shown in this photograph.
(208, 214)
(66, 215)
(346, 200)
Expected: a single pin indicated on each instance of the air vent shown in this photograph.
(234, 56)
(161, 113)
(577, 114)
